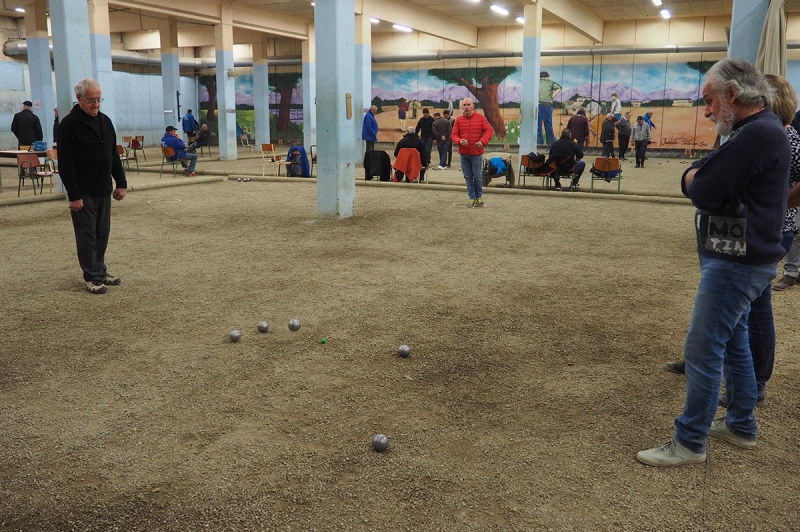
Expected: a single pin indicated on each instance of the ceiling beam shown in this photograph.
(576, 16)
(208, 12)
(423, 20)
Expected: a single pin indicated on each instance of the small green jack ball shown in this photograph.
(324, 341)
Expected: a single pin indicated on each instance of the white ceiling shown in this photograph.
(478, 13)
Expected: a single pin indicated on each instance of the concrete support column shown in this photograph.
(261, 88)
(531, 66)
(362, 96)
(747, 21)
(39, 67)
(226, 89)
(336, 184)
(100, 38)
(72, 50)
(170, 72)
(309, 91)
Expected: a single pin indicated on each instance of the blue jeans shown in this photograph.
(191, 159)
(546, 118)
(718, 342)
(472, 167)
(444, 147)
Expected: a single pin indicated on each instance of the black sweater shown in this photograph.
(425, 127)
(740, 191)
(86, 160)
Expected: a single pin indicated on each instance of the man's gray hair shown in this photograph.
(411, 130)
(745, 80)
(84, 84)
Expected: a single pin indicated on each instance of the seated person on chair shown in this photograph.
(567, 155)
(411, 140)
(203, 138)
(171, 139)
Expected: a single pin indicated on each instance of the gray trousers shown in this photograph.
(791, 264)
(92, 225)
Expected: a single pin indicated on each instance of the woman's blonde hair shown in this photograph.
(785, 103)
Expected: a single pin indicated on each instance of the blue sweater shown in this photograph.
(369, 130)
(740, 191)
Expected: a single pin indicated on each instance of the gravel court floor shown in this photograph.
(539, 327)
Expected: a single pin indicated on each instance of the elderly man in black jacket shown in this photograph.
(412, 140)
(567, 155)
(26, 126)
(87, 160)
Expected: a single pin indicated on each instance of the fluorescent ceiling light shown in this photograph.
(665, 13)
(521, 20)
(374, 20)
(19, 9)
(313, 4)
(657, 2)
(398, 27)
(498, 9)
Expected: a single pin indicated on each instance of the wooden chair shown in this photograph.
(268, 156)
(126, 161)
(26, 148)
(245, 140)
(167, 154)
(137, 144)
(30, 168)
(508, 174)
(607, 169)
(52, 156)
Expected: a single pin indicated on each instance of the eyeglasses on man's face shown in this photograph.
(92, 100)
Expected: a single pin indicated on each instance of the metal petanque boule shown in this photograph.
(380, 442)
(263, 326)
(403, 351)
(235, 335)
(294, 325)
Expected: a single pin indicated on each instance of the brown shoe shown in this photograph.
(787, 282)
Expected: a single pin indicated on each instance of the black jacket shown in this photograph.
(564, 152)
(410, 140)
(26, 127)
(425, 127)
(87, 161)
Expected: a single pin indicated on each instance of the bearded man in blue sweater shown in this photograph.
(740, 191)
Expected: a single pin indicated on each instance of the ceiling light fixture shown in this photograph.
(500, 10)
(313, 4)
(374, 20)
(665, 13)
(657, 2)
(19, 9)
(521, 20)
(398, 27)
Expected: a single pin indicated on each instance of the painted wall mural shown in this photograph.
(670, 89)
(285, 105)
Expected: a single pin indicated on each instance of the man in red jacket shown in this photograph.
(471, 132)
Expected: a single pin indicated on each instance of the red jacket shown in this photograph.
(408, 162)
(474, 128)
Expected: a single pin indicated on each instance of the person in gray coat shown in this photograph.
(442, 128)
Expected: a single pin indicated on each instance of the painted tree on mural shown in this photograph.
(284, 83)
(211, 86)
(489, 79)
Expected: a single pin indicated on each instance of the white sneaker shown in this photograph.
(440, 167)
(670, 453)
(719, 429)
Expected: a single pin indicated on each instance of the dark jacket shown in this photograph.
(425, 127)
(55, 128)
(410, 140)
(740, 191)
(26, 127)
(578, 126)
(608, 132)
(564, 152)
(86, 161)
(442, 127)
(203, 137)
(624, 127)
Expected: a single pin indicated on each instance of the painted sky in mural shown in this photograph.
(642, 82)
(245, 96)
